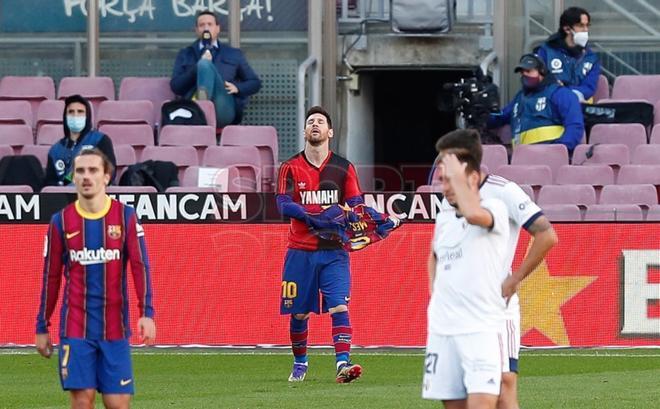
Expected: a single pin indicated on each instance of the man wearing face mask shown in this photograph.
(78, 135)
(208, 69)
(569, 58)
(544, 111)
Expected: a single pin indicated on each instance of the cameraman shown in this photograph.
(543, 111)
(210, 70)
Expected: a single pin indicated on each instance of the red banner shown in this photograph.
(220, 285)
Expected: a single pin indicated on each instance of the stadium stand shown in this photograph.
(16, 136)
(16, 113)
(191, 181)
(50, 112)
(124, 156)
(596, 175)
(181, 156)
(562, 212)
(532, 175)
(198, 136)
(58, 189)
(131, 189)
(95, 89)
(126, 112)
(554, 156)
(209, 112)
(655, 135)
(631, 135)
(639, 174)
(653, 213)
(15, 189)
(646, 155)
(529, 191)
(644, 87)
(602, 89)
(136, 135)
(265, 139)
(434, 188)
(49, 134)
(581, 195)
(32, 89)
(246, 158)
(641, 195)
(614, 155)
(6, 150)
(611, 212)
(40, 151)
(494, 156)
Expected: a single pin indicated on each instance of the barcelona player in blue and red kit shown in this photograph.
(90, 242)
(311, 187)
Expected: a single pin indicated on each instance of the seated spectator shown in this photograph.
(543, 111)
(569, 58)
(210, 70)
(78, 134)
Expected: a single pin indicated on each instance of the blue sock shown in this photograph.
(298, 333)
(341, 336)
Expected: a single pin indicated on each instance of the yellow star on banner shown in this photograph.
(541, 298)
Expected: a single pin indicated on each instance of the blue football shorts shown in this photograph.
(101, 365)
(308, 273)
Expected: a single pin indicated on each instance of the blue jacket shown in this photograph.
(549, 114)
(230, 63)
(61, 154)
(576, 68)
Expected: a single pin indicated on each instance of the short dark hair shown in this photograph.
(570, 17)
(460, 142)
(207, 13)
(319, 110)
(108, 168)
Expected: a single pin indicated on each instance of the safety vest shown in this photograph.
(62, 157)
(533, 120)
(569, 70)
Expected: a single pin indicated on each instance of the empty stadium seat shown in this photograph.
(636, 87)
(16, 189)
(654, 213)
(16, 113)
(554, 156)
(655, 135)
(16, 136)
(265, 139)
(602, 89)
(614, 155)
(190, 180)
(434, 188)
(613, 212)
(114, 189)
(656, 112)
(200, 137)
(639, 174)
(646, 155)
(533, 175)
(641, 195)
(246, 158)
(40, 151)
(154, 89)
(33, 89)
(596, 175)
(59, 189)
(6, 150)
(136, 135)
(181, 156)
(126, 112)
(494, 156)
(94, 89)
(581, 195)
(50, 112)
(49, 134)
(631, 135)
(562, 212)
(125, 157)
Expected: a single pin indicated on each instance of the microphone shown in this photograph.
(206, 40)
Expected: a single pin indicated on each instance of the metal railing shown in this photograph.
(301, 86)
(356, 11)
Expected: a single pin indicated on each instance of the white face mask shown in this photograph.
(581, 38)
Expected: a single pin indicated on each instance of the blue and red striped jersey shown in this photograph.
(334, 182)
(92, 250)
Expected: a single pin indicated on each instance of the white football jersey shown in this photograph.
(470, 269)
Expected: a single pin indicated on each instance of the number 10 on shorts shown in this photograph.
(289, 289)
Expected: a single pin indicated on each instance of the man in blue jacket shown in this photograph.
(210, 70)
(544, 111)
(569, 58)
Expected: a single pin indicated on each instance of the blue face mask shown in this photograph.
(530, 83)
(76, 123)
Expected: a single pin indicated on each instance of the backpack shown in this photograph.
(182, 112)
(156, 173)
(22, 170)
(618, 113)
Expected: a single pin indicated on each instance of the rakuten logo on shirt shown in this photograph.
(86, 256)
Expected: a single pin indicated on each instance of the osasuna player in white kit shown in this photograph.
(523, 213)
(466, 265)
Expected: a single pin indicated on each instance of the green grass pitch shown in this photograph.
(562, 379)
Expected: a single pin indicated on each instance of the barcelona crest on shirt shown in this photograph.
(114, 231)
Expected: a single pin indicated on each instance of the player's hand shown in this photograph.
(43, 344)
(509, 287)
(147, 330)
(207, 55)
(231, 88)
(452, 168)
(391, 223)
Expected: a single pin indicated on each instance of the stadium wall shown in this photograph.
(218, 282)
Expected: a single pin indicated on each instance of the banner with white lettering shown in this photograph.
(147, 15)
(208, 207)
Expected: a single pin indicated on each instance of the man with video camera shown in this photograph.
(210, 70)
(543, 111)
